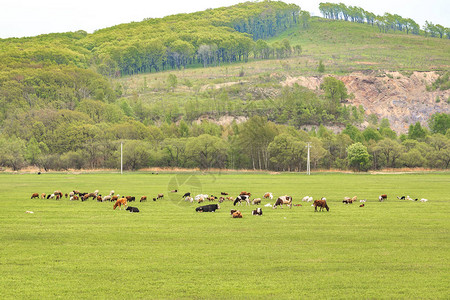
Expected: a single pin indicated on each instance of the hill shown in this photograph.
(241, 75)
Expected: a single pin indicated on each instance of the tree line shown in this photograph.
(385, 23)
(254, 144)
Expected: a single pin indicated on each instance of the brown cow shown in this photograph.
(245, 193)
(160, 196)
(143, 198)
(35, 195)
(321, 204)
(237, 214)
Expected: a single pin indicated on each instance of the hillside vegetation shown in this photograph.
(217, 79)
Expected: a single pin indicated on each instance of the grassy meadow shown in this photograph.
(395, 249)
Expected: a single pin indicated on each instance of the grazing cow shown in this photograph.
(74, 197)
(257, 212)
(35, 195)
(76, 192)
(236, 214)
(51, 196)
(401, 198)
(224, 193)
(115, 198)
(188, 194)
(107, 198)
(245, 193)
(256, 201)
(221, 199)
(190, 199)
(154, 199)
(65, 195)
(268, 196)
(283, 200)
(230, 198)
(174, 191)
(233, 211)
(143, 198)
(307, 199)
(132, 209)
(383, 197)
(321, 204)
(121, 202)
(99, 198)
(130, 198)
(160, 196)
(207, 208)
(423, 200)
(362, 205)
(241, 198)
(71, 194)
(43, 196)
(200, 197)
(348, 201)
(111, 193)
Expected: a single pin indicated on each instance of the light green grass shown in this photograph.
(395, 249)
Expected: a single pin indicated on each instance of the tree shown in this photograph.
(287, 153)
(136, 155)
(391, 151)
(439, 123)
(416, 132)
(335, 92)
(358, 157)
(207, 151)
(172, 82)
(12, 153)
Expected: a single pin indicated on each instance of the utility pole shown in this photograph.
(308, 163)
(121, 157)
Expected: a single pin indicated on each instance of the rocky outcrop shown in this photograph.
(402, 99)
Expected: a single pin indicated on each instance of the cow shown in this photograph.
(257, 212)
(143, 198)
(321, 204)
(256, 201)
(236, 214)
(241, 198)
(35, 195)
(283, 200)
(74, 197)
(99, 198)
(268, 196)
(423, 200)
(115, 198)
(43, 196)
(383, 197)
(245, 193)
(160, 196)
(106, 198)
(121, 202)
(221, 199)
(132, 209)
(401, 198)
(190, 199)
(65, 195)
(174, 191)
(208, 208)
(307, 199)
(130, 198)
(188, 194)
(224, 193)
(362, 205)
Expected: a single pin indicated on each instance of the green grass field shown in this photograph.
(395, 249)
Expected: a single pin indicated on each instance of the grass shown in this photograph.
(395, 249)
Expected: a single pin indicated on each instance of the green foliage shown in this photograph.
(321, 67)
(358, 157)
(439, 123)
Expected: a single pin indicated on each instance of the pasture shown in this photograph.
(73, 249)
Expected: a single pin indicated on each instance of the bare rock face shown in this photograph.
(403, 100)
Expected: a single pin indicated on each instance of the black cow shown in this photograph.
(133, 209)
(188, 194)
(207, 208)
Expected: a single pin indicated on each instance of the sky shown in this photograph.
(20, 18)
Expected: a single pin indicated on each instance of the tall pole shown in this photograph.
(121, 157)
(308, 163)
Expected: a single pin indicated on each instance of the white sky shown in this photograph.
(19, 18)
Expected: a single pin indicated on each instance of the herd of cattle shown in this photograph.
(242, 198)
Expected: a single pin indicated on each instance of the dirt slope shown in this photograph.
(402, 99)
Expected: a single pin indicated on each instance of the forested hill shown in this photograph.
(253, 76)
